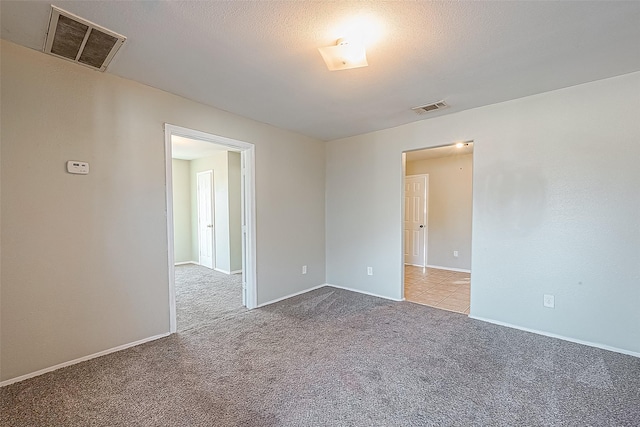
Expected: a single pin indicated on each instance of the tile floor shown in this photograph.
(448, 290)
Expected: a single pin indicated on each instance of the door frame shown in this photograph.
(402, 195)
(248, 212)
(426, 215)
(213, 218)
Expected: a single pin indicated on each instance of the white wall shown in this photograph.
(84, 258)
(449, 208)
(181, 210)
(555, 209)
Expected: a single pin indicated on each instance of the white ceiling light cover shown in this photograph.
(344, 55)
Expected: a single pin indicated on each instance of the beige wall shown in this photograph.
(449, 220)
(182, 210)
(555, 209)
(84, 258)
(235, 212)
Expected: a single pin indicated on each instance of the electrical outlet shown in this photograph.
(455, 254)
(549, 301)
(74, 166)
(304, 269)
(369, 271)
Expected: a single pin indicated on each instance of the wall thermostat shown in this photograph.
(74, 166)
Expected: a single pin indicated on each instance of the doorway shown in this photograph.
(246, 217)
(437, 226)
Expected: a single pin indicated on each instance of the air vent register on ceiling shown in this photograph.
(424, 109)
(78, 40)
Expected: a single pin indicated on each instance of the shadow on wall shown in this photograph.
(516, 198)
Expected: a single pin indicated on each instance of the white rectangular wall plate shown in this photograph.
(549, 301)
(74, 166)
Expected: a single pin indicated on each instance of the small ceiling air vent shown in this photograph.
(424, 109)
(75, 39)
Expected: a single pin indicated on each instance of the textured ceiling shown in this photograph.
(259, 59)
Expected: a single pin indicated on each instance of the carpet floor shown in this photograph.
(336, 358)
(204, 295)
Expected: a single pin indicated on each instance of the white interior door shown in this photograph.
(416, 190)
(204, 195)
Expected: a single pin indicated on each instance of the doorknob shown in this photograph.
(421, 226)
(210, 225)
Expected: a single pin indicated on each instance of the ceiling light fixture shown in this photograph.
(460, 145)
(344, 55)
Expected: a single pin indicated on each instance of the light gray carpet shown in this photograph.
(204, 295)
(336, 358)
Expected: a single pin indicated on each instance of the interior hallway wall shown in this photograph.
(182, 210)
(449, 208)
(555, 209)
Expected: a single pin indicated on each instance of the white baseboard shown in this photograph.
(219, 270)
(290, 296)
(363, 292)
(561, 337)
(81, 359)
(322, 286)
(459, 270)
(186, 262)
